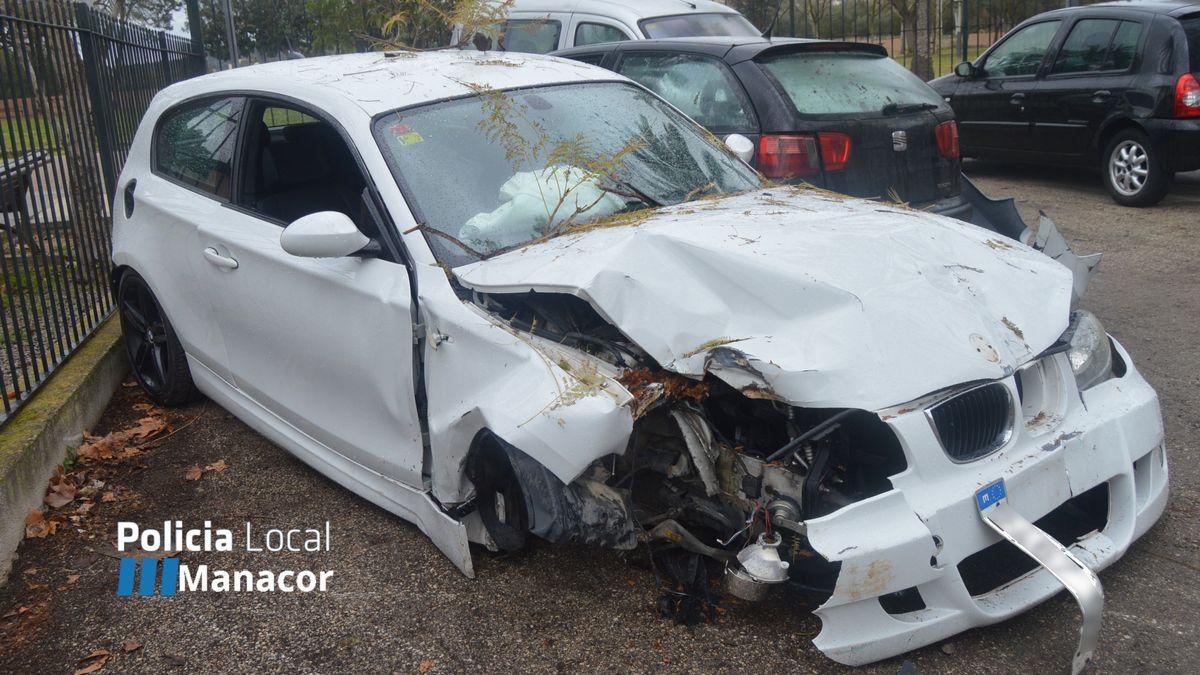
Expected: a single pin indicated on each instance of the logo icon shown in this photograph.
(900, 141)
(148, 575)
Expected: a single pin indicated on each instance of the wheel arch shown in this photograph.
(1109, 130)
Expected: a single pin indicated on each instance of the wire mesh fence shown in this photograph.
(74, 83)
(928, 36)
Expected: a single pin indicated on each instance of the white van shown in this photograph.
(542, 26)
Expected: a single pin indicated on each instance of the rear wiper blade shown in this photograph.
(900, 108)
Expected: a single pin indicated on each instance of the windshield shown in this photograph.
(832, 83)
(698, 25)
(502, 169)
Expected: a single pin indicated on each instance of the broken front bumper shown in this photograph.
(925, 543)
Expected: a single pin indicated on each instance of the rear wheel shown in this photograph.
(1133, 171)
(155, 355)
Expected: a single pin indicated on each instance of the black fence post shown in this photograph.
(965, 29)
(100, 105)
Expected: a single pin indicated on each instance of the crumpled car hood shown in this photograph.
(826, 301)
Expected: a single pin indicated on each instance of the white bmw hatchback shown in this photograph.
(509, 296)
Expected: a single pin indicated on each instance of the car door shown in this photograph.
(1087, 84)
(190, 181)
(701, 86)
(324, 344)
(993, 107)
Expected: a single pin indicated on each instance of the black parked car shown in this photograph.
(1113, 85)
(838, 115)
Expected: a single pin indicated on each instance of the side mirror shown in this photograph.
(966, 70)
(325, 234)
(741, 146)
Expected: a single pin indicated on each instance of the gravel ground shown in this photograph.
(398, 605)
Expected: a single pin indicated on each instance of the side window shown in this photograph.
(595, 33)
(530, 36)
(1023, 52)
(296, 164)
(701, 87)
(195, 144)
(1124, 46)
(590, 59)
(1086, 47)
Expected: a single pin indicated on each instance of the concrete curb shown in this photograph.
(36, 438)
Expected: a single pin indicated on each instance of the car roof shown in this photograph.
(629, 9)
(383, 81)
(1169, 7)
(731, 49)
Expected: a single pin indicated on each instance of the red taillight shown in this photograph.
(1187, 96)
(781, 156)
(947, 138)
(835, 150)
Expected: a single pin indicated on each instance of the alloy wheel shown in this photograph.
(145, 334)
(1129, 167)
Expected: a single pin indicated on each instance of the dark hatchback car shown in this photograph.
(1111, 85)
(838, 115)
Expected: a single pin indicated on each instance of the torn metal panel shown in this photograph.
(778, 276)
(699, 439)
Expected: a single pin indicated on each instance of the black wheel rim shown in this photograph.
(145, 334)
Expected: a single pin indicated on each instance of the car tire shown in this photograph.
(155, 355)
(499, 500)
(1133, 171)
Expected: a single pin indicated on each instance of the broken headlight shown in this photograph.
(1090, 353)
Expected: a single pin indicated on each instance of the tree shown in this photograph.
(152, 13)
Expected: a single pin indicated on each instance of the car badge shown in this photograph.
(899, 141)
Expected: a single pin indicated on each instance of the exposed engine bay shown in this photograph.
(724, 473)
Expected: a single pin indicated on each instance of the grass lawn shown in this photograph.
(23, 134)
(945, 58)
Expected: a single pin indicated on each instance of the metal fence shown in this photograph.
(928, 36)
(74, 83)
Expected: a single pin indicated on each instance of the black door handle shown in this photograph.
(129, 188)
(1017, 99)
(1103, 93)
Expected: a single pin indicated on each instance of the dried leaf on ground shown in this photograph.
(108, 497)
(36, 525)
(60, 494)
(218, 466)
(72, 578)
(93, 662)
(426, 665)
(130, 645)
(193, 473)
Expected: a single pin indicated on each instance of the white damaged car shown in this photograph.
(510, 297)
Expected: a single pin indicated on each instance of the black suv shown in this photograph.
(838, 115)
(1113, 85)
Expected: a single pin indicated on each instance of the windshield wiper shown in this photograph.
(901, 108)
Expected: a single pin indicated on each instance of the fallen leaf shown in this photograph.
(173, 660)
(31, 570)
(426, 665)
(72, 578)
(84, 508)
(108, 497)
(60, 494)
(95, 661)
(36, 525)
(130, 646)
(193, 473)
(218, 466)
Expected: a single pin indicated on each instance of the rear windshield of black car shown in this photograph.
(832, 83)
(1191, 27)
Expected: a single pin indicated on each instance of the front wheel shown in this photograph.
(155, 354)
(1133, 170)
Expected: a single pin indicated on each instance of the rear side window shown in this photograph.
(195, 144)
(833, 83)
(1099, 45)
(1191, 28)
(703, 88)
(595, 33)
(529, 36)
(698, 25)
(1022, 53)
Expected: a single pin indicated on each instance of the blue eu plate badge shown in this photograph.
(991, 494)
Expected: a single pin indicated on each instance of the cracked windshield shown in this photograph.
(513, 168)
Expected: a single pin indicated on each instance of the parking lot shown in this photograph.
(398, 605)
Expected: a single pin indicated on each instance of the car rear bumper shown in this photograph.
(954, 207)
(1180, 139)
(927, 535)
